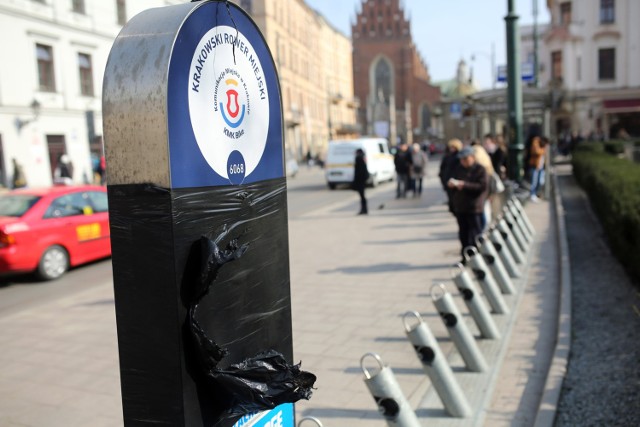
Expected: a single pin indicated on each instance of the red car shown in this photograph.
(48, 230)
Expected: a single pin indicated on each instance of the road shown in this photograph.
(307, 191)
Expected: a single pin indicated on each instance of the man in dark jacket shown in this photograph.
(360, 178)
(448, 165)
(402, 161)
(470, 188)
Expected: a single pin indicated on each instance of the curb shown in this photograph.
(560, 359)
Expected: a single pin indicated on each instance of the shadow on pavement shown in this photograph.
(383, 268)
(341, 413)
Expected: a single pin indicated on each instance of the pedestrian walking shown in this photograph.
(63, 173)
(469, 186)
(484, 160)
(360, 178)
(419, 162)
(448, 165)
(496, 150)
(102, 170)
(19, 178)
(402, 162)
(537, 154)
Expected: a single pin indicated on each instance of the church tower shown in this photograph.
(390, 77)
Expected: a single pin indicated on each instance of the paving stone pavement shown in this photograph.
(352, 278)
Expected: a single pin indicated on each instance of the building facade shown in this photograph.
(54, 54)
(589, 59)
(392, 80)
(314, 65)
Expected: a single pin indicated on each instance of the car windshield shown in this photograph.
(16, 205)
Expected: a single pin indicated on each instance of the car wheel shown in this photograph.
(53, 263)
(332, 185)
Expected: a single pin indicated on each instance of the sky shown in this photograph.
(446, 31)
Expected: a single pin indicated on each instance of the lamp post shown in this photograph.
(514, 97)
(535, 43)
(35, 111)
(492, 57)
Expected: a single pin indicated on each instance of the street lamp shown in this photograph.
(492, 58)
(35, 110)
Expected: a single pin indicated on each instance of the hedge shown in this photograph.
(613, 187)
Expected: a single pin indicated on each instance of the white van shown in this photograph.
(341, 156)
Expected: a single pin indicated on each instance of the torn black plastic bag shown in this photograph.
(259, 383)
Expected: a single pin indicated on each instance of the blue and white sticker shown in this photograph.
(228, 103)
(224, 106)
(282, 416)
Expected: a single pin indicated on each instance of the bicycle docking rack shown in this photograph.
(461, 356)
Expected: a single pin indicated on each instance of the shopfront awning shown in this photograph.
(621, 105)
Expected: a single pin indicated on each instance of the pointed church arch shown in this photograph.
(424, 118)
(381, 79)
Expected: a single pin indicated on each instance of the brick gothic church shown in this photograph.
(390, 77)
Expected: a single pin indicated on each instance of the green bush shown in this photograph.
(613, 187)
(614, 147)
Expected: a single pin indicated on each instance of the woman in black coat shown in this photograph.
(360, 178)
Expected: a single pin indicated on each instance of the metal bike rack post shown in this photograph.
(436, 367)
(509, 239)
(525, 218)
(491, 256)
(475, 304)
(505, 254)
(386, 392)
(485, 279)
(312, 419)
(518, 218)
(516, 232)
(460, 334)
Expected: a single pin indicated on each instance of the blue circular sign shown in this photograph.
(236, 168)
(224, 103)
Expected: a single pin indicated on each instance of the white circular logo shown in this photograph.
(228, 103)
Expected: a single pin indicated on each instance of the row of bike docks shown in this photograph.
(489, 283)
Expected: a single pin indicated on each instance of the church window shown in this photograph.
(425, 117)
(383, 80)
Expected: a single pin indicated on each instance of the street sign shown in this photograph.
(526, 72)
(455, 110)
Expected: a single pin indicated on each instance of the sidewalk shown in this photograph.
(352, 286)
(353, 278)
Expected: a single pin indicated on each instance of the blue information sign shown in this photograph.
(224, 102)
(526, 72)
(282, 416)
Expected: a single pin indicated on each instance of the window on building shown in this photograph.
(579, 68)
(121, 10)
(556, 65)
(383, 81)
(46, 77)
(86, 74)
(607, 11)
(565, 13)
(78, 6)
(425, 118)
(607, 64)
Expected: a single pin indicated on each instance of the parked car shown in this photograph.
(341, 156)
(48, 230)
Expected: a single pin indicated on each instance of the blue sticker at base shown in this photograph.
(282, 416)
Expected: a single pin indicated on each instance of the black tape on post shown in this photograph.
(197, 202)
